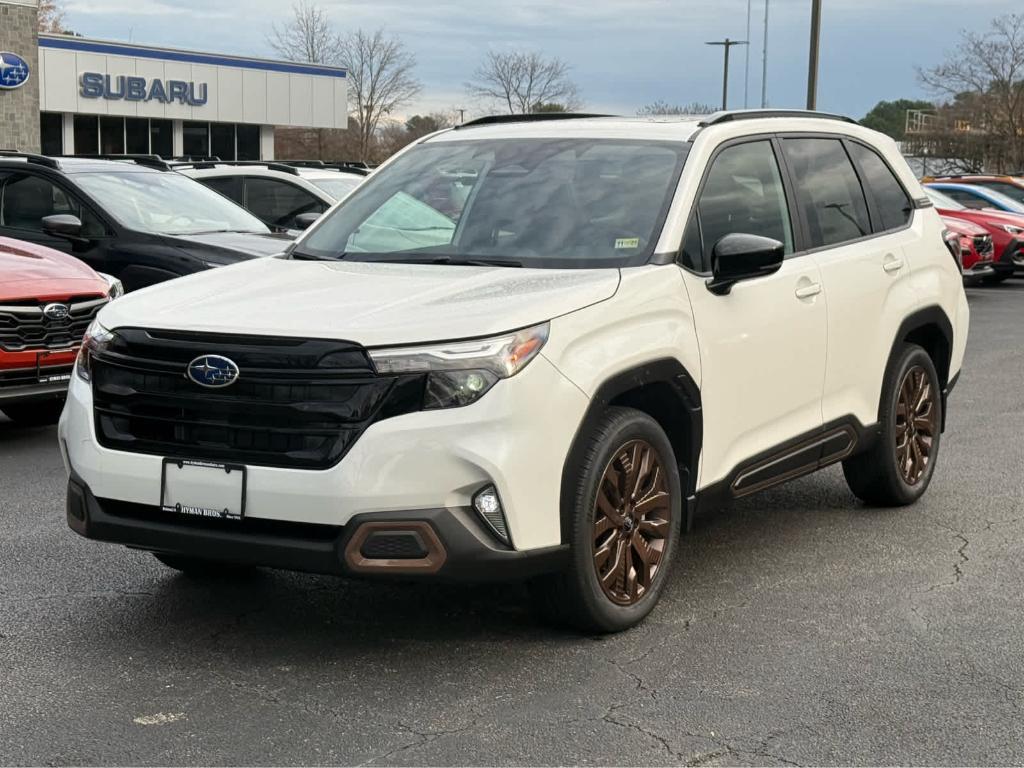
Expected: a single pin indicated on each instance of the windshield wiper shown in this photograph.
(436, 258)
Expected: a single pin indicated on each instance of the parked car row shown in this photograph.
(995, 204)
(76, 232)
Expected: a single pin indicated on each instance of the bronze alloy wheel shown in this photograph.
(916, 425)
(632, 517)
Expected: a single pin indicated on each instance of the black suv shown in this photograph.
(131, 217)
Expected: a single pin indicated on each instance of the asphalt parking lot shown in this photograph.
(799, 628)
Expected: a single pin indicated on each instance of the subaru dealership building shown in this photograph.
(62, 94)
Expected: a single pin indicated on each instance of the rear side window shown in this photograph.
(743, 194)
(828, 191)
(277, 203)
(229, 186)
(891, 200)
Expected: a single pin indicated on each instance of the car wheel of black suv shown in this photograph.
(196, 567)
(625, 513)
(897, 469)
(34, 414)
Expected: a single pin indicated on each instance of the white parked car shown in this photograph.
(285, 196)
(533, 349)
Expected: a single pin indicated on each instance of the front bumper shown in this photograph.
(455, 548)
(34, 375)
(516, 438)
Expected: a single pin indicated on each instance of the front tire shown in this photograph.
(37, 414)
(897, 470)
(626, 515)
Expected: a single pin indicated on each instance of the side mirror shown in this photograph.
(739, 257)
(305, 220)
(63, 225)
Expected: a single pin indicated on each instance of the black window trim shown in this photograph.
(801, 239)
(795, 227)
(247, 177)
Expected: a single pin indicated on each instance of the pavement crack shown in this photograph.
(958, 566)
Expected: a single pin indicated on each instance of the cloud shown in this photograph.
(144, 8)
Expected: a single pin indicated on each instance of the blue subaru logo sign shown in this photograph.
(213, 371)
(13, 70)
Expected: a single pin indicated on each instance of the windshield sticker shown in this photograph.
(627, 242)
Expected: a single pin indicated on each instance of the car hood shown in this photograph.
(985, 217)
(229, 247)
(371, 304)
(963, 227)
(30, 271)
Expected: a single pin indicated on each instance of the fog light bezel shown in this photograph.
(500, 531)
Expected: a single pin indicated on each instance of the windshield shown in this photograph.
(166, 203)
(339, 187)
(1003, 202)
(530, 202)
(945, 202)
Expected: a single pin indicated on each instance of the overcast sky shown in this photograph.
(623, 54)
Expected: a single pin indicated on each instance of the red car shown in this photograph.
(47, 300)
(976, 249)
(1007, 230)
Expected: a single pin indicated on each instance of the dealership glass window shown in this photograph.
(222, 140)
(87, 134)
(161, 141)
(111, 135)
(196, 139)
(51, 133)
(248, 142)
(136, 136)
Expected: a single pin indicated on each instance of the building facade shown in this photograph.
(86, 96)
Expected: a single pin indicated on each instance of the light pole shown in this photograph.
(746, 64)
(764, 61)
(726, 44)
(812, 64)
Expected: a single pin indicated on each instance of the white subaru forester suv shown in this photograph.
(533, 349)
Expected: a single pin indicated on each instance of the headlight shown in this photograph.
(116, 289)
(461, 372)
(96, 338)
(1015, 231)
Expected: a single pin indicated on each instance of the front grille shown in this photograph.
(983, 245)
(21, 377)
(24, 326)
(296, 403)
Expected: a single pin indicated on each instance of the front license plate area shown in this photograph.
(203, 489)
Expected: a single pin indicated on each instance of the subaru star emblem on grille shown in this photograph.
(213, 371)
(56, 311)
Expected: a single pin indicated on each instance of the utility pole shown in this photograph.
(726, 44)
(812, 64)
(462, 115)
(746, 65)
(764, 60)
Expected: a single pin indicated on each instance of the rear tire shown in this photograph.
(37, 414)
(626, 514)
(202, 569)
(896, 471)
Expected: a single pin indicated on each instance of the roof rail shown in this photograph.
(192, 158)
(31, 157)
(729, 116)
(534, 117)
(200, 165)
(350, 166)
(150, 161)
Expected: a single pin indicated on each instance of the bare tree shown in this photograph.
(308, 36)
(984, 77)
(380, 80)
(661, 107)
(51, 16)
(520, 80)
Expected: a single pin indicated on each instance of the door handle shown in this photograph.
(892, 264)
(807, 291)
